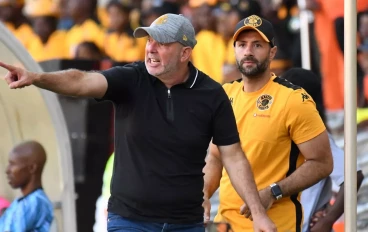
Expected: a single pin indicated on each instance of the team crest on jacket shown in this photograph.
(264, 102)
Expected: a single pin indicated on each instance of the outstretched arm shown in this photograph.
(69, 82)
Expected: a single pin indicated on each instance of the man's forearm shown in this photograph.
(68, 82)
(241, 176)
(212, 175)
(308, 174)
(335, 211)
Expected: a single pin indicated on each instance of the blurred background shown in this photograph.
(52, 35)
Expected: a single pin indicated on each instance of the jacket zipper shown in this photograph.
(169, 107)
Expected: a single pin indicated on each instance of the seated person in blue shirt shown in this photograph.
(33, 211)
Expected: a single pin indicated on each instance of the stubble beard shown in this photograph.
(254, 72)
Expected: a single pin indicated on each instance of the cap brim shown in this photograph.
(155, 34)
(141, 32)
(251, 28)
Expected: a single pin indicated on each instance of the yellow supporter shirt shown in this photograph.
(55, 48)
(209, 54)
(230, 54)
(103, 16)
(270, 122)
(124, 48)
(87, 31)
(23, 33)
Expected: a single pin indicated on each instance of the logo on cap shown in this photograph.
(185, 38)
(161, 20)
(253, 21)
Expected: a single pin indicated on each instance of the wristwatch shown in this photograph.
(276, 191)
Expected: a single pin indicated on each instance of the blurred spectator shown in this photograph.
(4, 204)
(170, 6)
(363, 57)
(280, 63)
(88, 51)
(11, 14)
(198, 3)
(119, 44)
(210, 53)
(338, 16)
(282, 14)
(48, 42)
(363, 63)
(86, 28)
(248, 7)
(146, 5)
(227, 16)
(151, 15)
(362, 72)
(151, 10)
(331, 61)
(329, 35)
(101, 203)
(269, 9)
(102, 13)
(33, 211)
(363, 28)
(336, 13)
(65, 21)
(135, 17)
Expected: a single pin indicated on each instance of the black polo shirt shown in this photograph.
(161, 140)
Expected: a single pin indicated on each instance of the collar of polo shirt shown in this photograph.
(190, 82)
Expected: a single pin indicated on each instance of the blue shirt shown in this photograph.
(33, 212)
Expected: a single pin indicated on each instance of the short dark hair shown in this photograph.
(124, 7)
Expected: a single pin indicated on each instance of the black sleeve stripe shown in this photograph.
(238, 80)
(286, 83)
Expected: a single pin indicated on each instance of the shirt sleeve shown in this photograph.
(20, 221)
(224, 127)
(121, 81)
(6, 220)
(337, 175)
(32, 214)
(302, 118)
(44, 218)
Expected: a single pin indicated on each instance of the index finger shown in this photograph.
(7, 66)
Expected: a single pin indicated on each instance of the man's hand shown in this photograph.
(262, 223)
(320, 223)
(267, 201)
(17, 77)
(207, 210)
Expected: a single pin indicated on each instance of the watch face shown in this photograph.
(276, 191)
